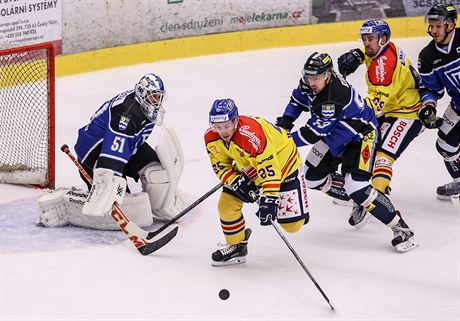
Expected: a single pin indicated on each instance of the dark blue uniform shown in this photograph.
(439, 69)
(339, 116)
(115, 138)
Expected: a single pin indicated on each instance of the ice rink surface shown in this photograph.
(76, 274)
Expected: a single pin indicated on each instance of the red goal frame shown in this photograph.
(50, 52)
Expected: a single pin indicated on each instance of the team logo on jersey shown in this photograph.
(328, 111)
(123, 124)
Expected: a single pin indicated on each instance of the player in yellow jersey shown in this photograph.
(393, 94)
(257, 162)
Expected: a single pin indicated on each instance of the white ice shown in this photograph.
(76, 274)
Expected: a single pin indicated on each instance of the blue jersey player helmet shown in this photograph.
(150, 93)
(317, 64)
(442, 11)
(223, 110)
(377, 26)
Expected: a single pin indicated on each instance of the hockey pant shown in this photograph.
(321, 166)
(396, 135)
(292, 212)
(448, 142)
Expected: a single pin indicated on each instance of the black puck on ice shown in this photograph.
(224, 294)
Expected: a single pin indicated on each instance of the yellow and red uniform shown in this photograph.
(256, 144)
(392, 84)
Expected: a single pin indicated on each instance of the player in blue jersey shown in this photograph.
(439, 63)
(113, 146)
(342, 130)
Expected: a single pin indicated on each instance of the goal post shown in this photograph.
(27, 115)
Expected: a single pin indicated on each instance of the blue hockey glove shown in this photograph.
(245, 188)
(350, 61)
(285, 122)
(427, 115)
(268, 208)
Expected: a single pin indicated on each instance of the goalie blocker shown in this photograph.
(159, 200)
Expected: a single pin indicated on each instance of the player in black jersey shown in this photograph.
(439, 65)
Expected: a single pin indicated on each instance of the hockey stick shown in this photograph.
(252, 174)
(136, 235)
(185, 211)
(277, 229)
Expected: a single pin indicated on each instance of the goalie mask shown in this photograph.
(150, 93)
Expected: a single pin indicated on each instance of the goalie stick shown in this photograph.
(185, 211)
(136, 235)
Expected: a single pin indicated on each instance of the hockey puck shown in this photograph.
(224, 294)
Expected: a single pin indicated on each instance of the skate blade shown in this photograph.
(455, 199)
(443, 197)
(407, 245)
(342, 202)
(363, 223)
(234, 261)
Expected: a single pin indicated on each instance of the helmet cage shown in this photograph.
(150, 94)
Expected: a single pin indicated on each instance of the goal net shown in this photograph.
(27, 115)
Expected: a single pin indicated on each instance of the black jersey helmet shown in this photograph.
(442, 11)
(317, 64)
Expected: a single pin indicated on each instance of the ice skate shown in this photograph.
(231, 254)
(403, 240)
(359, 216)
(445, 192)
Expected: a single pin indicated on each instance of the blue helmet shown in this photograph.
(377, 26)
(223, 110)
(150, 93)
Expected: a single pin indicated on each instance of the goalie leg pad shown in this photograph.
(53, 212)
(165, 200)
(65, 206)
(160, 180)
(107, 189)
(136, 207)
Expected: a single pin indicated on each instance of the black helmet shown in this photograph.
(317, 64)
(442, 11)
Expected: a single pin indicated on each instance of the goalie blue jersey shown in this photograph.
(338, 115)
(439, 69)
(114, 134)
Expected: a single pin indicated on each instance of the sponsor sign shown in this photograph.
(27, 22)
(421, 7)
(195, 17)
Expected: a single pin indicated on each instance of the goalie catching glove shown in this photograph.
(245, 188)
(427, 115)
(268, 208)
(106, 190)
(350, 61)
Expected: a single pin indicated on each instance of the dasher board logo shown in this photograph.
(328, 111)
(123, 124)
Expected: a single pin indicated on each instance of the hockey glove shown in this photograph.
(285, 122)
(268, 208)
(427, 115)
(245, 188)
(350, 61)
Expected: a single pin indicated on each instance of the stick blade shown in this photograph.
(151, 247)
